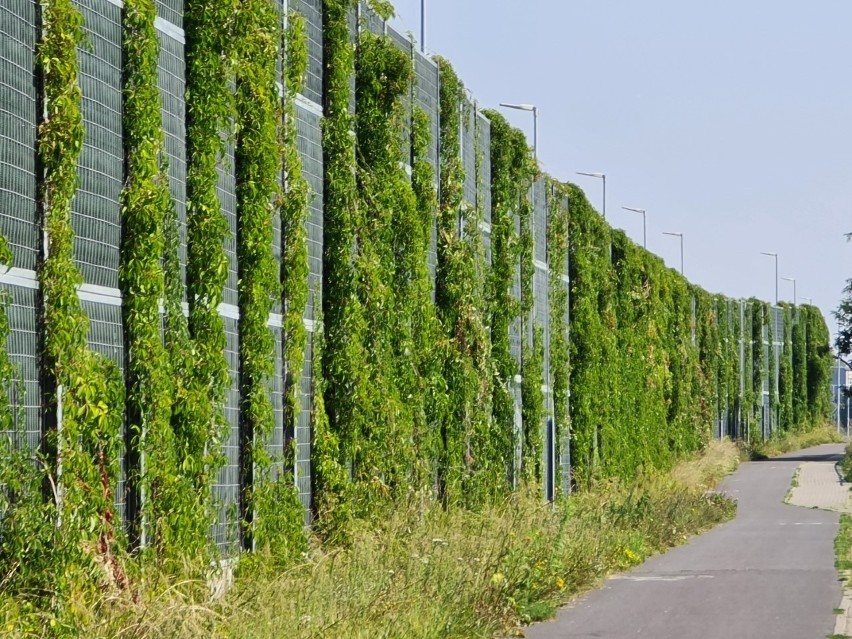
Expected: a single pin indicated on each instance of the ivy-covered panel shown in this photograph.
(18, 131)
(21, 346)
(312, 11)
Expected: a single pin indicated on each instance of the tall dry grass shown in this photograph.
(427, 573)
(789, 441)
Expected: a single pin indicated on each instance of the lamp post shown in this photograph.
(422, 26)
(602, 177)
(644, 224)
(534, 110)
(775, 255)
(680, 235)
(792, 279)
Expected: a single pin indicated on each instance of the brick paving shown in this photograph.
(819, 486)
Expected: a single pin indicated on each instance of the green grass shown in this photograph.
(794, 483)
(425, 573)
(843, 544)
(846, 464)
(790, 441)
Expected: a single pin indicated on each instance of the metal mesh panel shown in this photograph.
(404, 45)
(766, 376)
(303, 430)
(171, 11)
(371, 20)
(275, 443)
(542, 312)
(484, 177)
(17, 131)
(426, 98)
(312, 12)
(22, 347)
(226, 191)
(468, 151)
(310, 150)
(353, 39)
(540, 220)
(226, 490)
(107, 338)
(96, 214)
(172, 84)
(515, 328)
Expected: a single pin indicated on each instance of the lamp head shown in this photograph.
(519, 107)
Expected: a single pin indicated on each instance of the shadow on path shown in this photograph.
(795, 457)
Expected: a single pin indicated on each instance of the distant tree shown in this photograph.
(843, 315)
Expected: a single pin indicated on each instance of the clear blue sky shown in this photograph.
(730, 121)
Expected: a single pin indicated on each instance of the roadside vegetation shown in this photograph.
(422, 572)
(846, 464)
(790, 441)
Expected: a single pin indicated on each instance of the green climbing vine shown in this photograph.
(785, 372)
(759, 368)
(385, 203)
(460, 295)
(592, 341)
(532, 409)
(557, 252)
(819, 362)
(29, 548)
(270, 511)
(294, 217)
(208, 116)
(532, 342)
(512, 173)
(86, 391)
(332, 484)
(800, 368)
(347, 391)
(428, 345)
(156, 487)
(772, 365)
(194, 454)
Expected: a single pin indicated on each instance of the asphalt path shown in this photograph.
(768, 573)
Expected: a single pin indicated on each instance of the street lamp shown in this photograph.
(600, 176)
(810, 300)
(644, 224)
(532, 108)
(792, 279)
(775, 255)
(680, 235)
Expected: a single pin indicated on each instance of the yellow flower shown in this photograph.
(560, 583)
(497, 579)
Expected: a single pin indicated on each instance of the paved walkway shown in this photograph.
(768, 573)
(818, 485)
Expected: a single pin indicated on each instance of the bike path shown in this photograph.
(767, 573)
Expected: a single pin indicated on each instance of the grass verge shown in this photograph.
(789, 441)
(426, 573)
(846, 464)
(843, 563)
